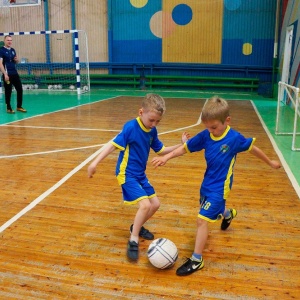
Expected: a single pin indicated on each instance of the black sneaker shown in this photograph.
(133, 250)
(189, 267)
(226, 222)
(144, 233)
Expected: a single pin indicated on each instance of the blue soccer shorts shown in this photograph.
(136, 190)
(211, 207)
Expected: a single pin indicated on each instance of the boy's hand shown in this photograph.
(275, 164)
(185, 136)
(158, 161)
(91, 171)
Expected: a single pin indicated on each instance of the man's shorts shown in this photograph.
(211, 207)
(136, 190)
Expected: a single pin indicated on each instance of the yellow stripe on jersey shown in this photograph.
(253, 141)
(121, 176)
(117, 146)
(227, 181)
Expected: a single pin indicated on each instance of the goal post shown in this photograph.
(288, 113)
(52, 59)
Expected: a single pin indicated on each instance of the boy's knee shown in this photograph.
(155, 203)
(145, 204)
(201, 222)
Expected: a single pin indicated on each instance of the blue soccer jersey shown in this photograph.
(220, 156)
(135, 141)
(8, 56)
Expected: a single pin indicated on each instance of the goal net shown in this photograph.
(288, 113)
(55, 60)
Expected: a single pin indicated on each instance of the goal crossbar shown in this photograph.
(58, 80)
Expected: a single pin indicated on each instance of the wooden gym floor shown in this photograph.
(64, 236)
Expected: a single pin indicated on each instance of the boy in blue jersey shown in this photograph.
(221, 144)
(8, 61)
(134, 143)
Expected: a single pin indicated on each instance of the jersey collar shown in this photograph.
(215, 138)
(142, 125)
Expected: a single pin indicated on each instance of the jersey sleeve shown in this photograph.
(244, 144)
(156, 145)
(196, 143)
(121, 140)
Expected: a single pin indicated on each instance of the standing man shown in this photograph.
(8, 61)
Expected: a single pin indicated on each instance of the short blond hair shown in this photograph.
(154, 102)
(216, 108)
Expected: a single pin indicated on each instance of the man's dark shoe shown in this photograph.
(10, 111)
(21, 109)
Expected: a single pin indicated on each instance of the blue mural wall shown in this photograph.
(132, 39)
(249, 22)
(144, 31)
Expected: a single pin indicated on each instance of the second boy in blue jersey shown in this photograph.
(221, 144)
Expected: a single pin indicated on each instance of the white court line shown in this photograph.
(182, 128)
(47, 152)
(49, 191)
(279, 153)
(59, 110)
(57, 185)
(61, 128)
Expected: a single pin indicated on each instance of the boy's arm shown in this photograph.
(185, 136)
(261, 155)
(162, 160)
(108, 148)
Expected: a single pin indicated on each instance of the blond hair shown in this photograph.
(216, 108)
(154, 102)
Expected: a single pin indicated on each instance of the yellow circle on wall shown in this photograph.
(247, 49)
(138, 3)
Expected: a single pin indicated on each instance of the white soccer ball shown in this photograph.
(162, 253)
(72, 87)
(50, 87)
(85, 88)
(36, 86)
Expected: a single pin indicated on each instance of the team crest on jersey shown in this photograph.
(224, 148)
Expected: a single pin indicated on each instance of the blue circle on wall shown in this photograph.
(182, 14)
